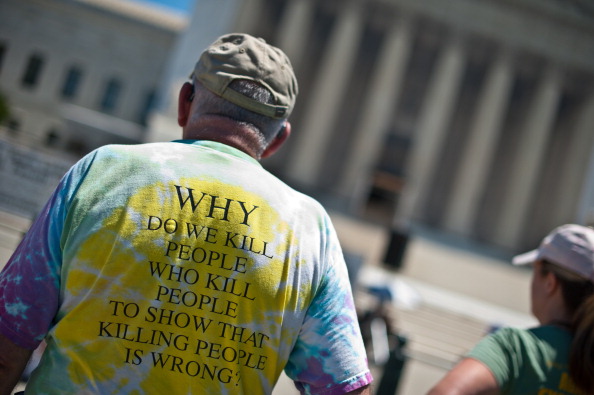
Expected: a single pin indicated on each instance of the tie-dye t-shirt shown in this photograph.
(179, 268)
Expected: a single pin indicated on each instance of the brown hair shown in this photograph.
(578, 294)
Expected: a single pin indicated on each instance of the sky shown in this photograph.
(178, 5)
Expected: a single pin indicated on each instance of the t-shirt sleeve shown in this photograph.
(498, 352)
(329, 356)
(30, 281)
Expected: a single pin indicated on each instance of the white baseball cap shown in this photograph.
(569, 246)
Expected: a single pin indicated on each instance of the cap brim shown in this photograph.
(525, 258)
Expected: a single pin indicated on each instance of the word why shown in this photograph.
(228, 209)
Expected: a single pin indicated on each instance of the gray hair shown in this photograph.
(266, 127)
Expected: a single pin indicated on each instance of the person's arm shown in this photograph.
(467, 377)
(329, 356)
(13, 360)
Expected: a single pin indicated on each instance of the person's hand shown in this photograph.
(13, 360)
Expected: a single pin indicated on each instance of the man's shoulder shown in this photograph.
(532, 337)
(304, 199)
(121, 151)
(516, 334)
(133, 147)
(551, 334)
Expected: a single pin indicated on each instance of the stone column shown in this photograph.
(585, 214)
(471, 179)
(248, 15)
(576, 182)
(377, 109)
(331, 84)
(530, 154)
(433, 121)
(295, 24)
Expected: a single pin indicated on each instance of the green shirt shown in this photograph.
(533, 361)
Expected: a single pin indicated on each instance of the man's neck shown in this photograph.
(226, 131)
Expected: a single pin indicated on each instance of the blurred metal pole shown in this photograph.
(393, 369)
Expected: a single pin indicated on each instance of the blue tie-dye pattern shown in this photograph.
(17, 309)
(31, 278)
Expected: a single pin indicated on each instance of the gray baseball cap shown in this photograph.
(569, 246)
(241, 56)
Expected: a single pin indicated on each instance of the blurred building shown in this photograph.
(475, 118)
(82, 73)
(472, 117)
(77, 74)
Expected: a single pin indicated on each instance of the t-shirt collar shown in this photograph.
(224, 148)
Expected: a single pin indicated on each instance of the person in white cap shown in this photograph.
(556, 357)
(185, 267)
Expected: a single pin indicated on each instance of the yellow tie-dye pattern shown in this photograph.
(109, 281)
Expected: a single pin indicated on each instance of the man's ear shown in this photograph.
(184, 103)
(551, 283)
(278, 140)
